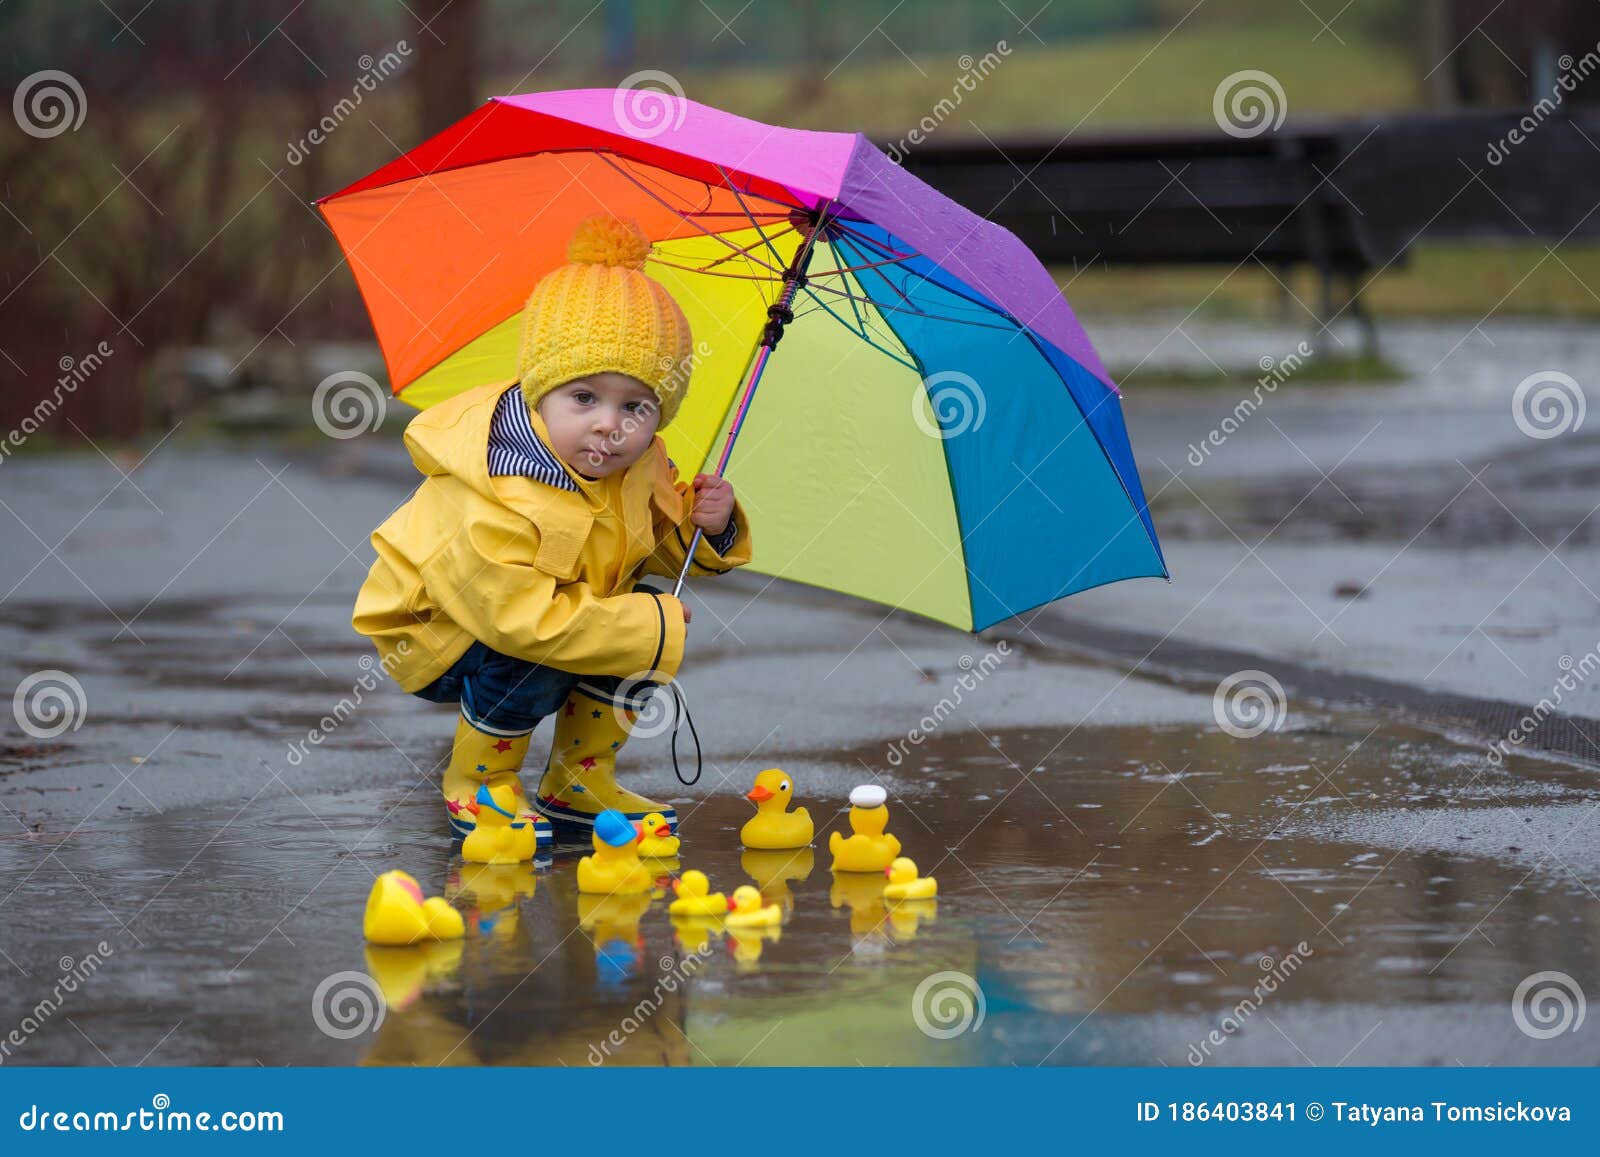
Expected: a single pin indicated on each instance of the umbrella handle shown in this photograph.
(779, 314)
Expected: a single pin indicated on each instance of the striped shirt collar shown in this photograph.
(515, 448)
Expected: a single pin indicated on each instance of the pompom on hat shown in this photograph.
(602, 312)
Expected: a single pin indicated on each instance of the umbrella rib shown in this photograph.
(728, 181)
(875, 244)
(862, 334)
(604, 156)
(988, 308)
(882, 277)
(745, 252)
(709, 272)
(885, 307)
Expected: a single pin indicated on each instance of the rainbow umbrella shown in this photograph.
(938, 433)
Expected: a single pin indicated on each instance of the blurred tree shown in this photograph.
(447, 38)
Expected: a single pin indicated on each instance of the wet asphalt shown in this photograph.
(1121, 881)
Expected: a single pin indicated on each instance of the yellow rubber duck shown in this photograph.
(905, 884)
(745, 910)
(774, 827)
(658, 843)
(870, 849)
(397, 913)
(500, 835)
(614, 869)
(695, 897)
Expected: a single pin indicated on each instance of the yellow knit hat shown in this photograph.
(603, 312)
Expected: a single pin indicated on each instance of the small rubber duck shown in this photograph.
(658, 843)
(614, 869)
(745, 910)
(695, 897)
(774, 827)
(870, 849)
(463, 818)
(905, 884)
(397, 914)
(500, 835)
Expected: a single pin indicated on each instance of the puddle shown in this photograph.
(1112, 907)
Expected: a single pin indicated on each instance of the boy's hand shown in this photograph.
(713, 503)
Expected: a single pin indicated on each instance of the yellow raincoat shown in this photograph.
(516, 563)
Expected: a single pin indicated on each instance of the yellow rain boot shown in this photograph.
(580, 780)
(486, 758)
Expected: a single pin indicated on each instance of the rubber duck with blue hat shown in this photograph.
(614, 868)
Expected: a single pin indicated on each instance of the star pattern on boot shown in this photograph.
(502, 745)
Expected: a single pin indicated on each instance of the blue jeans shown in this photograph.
(505, 693)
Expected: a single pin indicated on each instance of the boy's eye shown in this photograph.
(637, 407)
(583, 397)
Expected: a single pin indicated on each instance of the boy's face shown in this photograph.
(600, 424)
